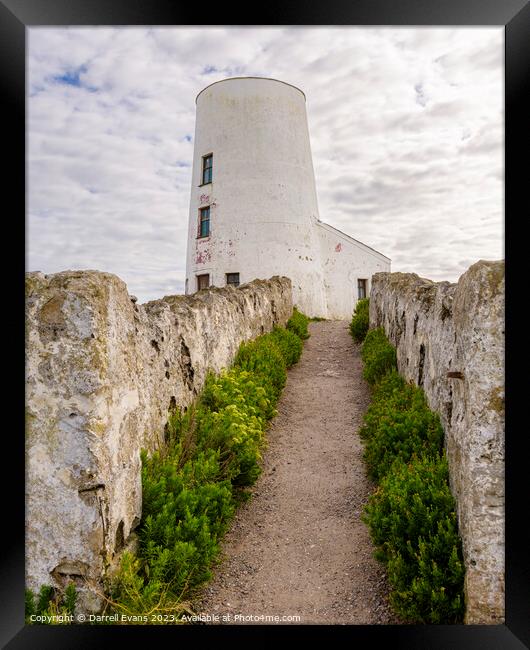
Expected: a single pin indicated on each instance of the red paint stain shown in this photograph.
(338, 248)
(202, 257)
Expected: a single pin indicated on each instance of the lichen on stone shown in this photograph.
(463, 324)
(89, 355)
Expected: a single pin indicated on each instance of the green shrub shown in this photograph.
(240, 387)
(399, 436)
(237, 436)
(289, 344)
(360, 320)
(135, 593)
(50, 603)
(411, 515)
(185, 511)
(391, 394)
(263, 358)
(378, 355)
(412, 521)
(180, 435)
(390, 386)
(398, 424)
(298, 324)
(190, 488)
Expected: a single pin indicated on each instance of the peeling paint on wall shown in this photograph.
(267, 219)
(203, 256)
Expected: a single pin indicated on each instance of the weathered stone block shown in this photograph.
(450, 340)
(102, 372)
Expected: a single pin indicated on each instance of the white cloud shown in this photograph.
(406, 129)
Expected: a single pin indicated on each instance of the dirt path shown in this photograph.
(298, 546)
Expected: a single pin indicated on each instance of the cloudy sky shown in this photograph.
(406, 128)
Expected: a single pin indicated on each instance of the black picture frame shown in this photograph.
(15, 17)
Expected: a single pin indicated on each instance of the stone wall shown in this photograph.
(102, 373)
(450, 340)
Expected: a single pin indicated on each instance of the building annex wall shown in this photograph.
(261, 200)
(344, 262)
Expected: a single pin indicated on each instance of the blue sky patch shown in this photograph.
(72, 77)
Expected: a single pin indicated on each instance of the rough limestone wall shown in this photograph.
(450, 340)
(101, 374)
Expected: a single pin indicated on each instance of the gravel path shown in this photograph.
(298, 546)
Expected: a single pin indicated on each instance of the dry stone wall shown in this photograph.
(102, 373)
(450, 340)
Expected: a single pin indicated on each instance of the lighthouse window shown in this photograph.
(204, 222)
(207, 164)
(361, 288)
(233, 279)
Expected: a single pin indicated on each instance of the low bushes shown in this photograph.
(49, 607)
(289, 343)
(298, 324)
(398, 424)
(411, 515)
(190, 490)
(378, 355)
(360, 320)
(264, 359)
(412, 520)
(186, 509)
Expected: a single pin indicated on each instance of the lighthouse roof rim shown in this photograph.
(250, 77)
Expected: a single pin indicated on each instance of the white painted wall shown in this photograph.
(264, 217)
(344, 261)
(262, 197)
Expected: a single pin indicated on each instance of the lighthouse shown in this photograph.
(253, 204)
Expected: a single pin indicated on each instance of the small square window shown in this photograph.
(361, 288)
(233, 279)
(207, 167)
(204, 222)
(203, 281)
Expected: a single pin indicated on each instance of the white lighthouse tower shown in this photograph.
(253, 200)
(253, 205)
